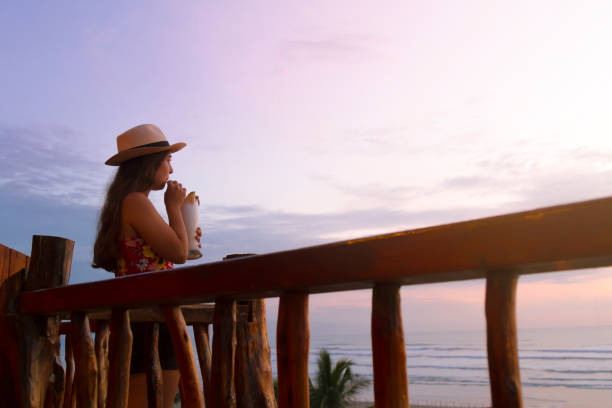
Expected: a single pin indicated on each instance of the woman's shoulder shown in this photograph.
(135, 199)
(136, 205)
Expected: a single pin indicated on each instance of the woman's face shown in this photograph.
(163, 173)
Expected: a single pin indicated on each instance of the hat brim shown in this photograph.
(125, 155)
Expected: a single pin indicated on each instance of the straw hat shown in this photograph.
(140, 141)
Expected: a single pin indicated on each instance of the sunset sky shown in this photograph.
(312, 122)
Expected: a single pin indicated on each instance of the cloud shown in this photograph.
(331, 48)
(51, 163)
(257, 230)
(387, 194)
(467, 182)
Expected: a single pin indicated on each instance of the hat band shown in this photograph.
(154, 144)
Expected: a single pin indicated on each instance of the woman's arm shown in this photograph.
(168, 241)
(174, 198)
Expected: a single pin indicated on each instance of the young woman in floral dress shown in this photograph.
(133, 238)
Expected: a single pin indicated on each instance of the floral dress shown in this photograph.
(139, 257)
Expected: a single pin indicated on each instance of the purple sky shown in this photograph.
(311, 122)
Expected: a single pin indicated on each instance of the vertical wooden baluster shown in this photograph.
(388, 348)
(502, 347)
(86, 368)
(253, 373)
(152, 364)
(224, 354)
(202, 340)
(184, 356)
(181, 391)
(120, 354)
(101, 345)
(69, 394)
(292, 343)
(55, 393)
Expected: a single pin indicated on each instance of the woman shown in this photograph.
(133, 238)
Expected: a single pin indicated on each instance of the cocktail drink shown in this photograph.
(190, 210)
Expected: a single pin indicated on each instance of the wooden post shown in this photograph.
(388, 348)
(11, 263)
(32, 342)
(292, 343)
(86, 368)
(202, 340)
(253, 373)
(152, 365)
(120, 354)
(55, 392)
(502, 346)
(69, 394)
(182, 394)
(224, 354)
(9, 343)
(184, 357)
(101, 346)
(253, 380)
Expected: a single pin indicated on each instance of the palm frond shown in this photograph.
(335, 387)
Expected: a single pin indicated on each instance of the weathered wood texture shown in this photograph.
(11, 262)
(253, 380)
(182, 393)
(388, 348)
(86, 367)
(292, 343)
(9, 348)
(194, 314)
(120, 354)
(56, 389)
(153, 371)
(50, 263)
(6, 385)
(224, 354)
(31, 343)
(532, 241)
(185, 357)
(502, 349)
(202, 341)
(49, 267)
(69, 394)
(101, 346)
(253, 372)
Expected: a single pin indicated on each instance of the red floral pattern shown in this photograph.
(139, 257)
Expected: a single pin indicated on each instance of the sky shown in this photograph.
(313, 122)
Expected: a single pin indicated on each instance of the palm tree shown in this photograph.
(335, 388)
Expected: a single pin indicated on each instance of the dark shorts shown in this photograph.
(165, 348)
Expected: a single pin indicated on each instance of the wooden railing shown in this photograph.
(573, 236)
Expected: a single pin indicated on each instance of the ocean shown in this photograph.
(560, 367)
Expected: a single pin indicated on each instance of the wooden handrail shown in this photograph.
(557, 238)
(499, 249)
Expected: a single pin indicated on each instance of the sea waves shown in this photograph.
(443, 359)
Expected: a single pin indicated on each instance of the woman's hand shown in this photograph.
(198, 237)
(174, 195)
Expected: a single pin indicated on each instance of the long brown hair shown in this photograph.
(137, 174)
